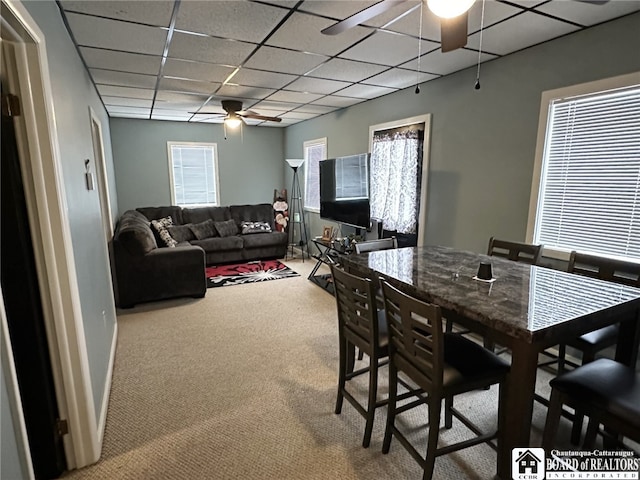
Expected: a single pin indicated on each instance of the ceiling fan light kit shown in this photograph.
(233, 120)
(449, 8)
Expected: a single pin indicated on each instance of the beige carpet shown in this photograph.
(241, 385)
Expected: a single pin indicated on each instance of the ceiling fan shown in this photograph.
(235, 115)
(454, 17)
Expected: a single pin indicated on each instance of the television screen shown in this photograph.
(344, 190)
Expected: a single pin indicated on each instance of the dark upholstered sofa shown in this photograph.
(148, 269)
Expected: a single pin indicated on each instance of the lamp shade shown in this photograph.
(449, 8)
(295, 162)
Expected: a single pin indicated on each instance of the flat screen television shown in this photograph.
(344, 190)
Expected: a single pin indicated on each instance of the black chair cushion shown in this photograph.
(606, 384)
(601, 338)
(470, 359)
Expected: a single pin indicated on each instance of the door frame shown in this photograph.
(39, 151)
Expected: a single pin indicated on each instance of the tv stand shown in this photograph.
(329, 253)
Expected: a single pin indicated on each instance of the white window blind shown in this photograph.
(590, 184)
(352, 177)
(314, 151)
(193, 174)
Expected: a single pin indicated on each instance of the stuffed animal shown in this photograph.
(281, 221)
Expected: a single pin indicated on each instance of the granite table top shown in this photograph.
(525, 302)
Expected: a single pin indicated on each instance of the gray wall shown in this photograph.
(250, 168)
(73, 93)
(482, 141)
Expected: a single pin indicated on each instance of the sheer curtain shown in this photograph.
(394, 179)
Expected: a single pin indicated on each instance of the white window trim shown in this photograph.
(548, 96)
(215, 168)
(426, 119)
(305, 145)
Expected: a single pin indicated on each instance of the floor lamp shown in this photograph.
(296, 212)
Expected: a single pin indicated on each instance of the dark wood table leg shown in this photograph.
(518, 407)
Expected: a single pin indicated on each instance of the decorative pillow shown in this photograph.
(226, 228)
(255, 227)
(204, 229)
(160, 226)
(181, 233)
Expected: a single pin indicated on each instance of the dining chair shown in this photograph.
(606, 391)
(442, 366)
(516, 251)
(589, 344)
(360, 324)
(378, 244)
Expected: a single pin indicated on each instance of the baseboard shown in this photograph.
(107, 386)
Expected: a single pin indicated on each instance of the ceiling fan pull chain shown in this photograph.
(477, 85)
(419, 50)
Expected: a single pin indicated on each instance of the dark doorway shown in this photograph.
(25, 318)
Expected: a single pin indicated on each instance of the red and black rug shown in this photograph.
(251, 272)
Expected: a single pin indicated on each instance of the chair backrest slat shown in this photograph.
(373, 245)
(415, 337)
(516, 251)
(604, 268)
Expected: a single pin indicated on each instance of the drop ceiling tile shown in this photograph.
(588, 14)
(135, 110)
(169, 118)
(121, 61)
(238, 20)
(293, 97)
(179, 101)
(335, 101)
(298, 115)
(127, 102)
(410, 25)
(439, 63)
(519, 32)
(347, 70)
(156, 12)
(208, 49)
(494, 12)
(188, 86)
(129, 92)
(317, 85)
(282, 3)
(302, 32)
(317, 109)
(207, 72)
(178, 114)
(238, 91)
(340, 9)
(269, 107)
(104, 33)
(109, 77)
(284, 61)
(258, 78)
(387, 49)
(140, 116)
(399, 78)
(366, 91)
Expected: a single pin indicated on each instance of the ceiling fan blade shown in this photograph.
(453, 32)
(255, 116)
(361, 16)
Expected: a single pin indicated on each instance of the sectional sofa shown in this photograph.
(161, 252)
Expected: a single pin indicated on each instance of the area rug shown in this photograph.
(251, 272)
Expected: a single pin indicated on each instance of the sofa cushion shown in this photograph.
(200, 214)
(227, 228)
(134, 233)
(260, 240)
(156, 213)
(160, 226)
(217, 244)
(262, 212)
(247, 228)
(204, 229)
(181, 233)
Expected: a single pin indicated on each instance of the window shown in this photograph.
(314, 151)
(193, 169)
(589, 193)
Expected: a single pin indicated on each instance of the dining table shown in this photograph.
(525, 308)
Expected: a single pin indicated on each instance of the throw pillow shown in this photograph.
(204, 229)
(160, 226)
(227, 228)
(255, 227)
(181, 233)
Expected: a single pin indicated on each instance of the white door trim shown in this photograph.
(101, 174)
(46, 202)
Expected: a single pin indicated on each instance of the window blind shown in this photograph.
(194, 174)
(352, 177)
(314, 151)
(590, 186)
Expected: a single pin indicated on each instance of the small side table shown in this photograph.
(329, 253)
